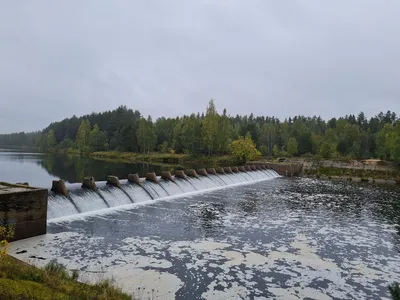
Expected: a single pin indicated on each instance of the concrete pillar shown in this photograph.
(263, 167)
(202, 172)
(242, 169)
(234, 169)
(134, 178)
(191, 173)
(166, 175)
(113, 180)
(247, 168)
(58, 187)
(89, 183)
(180, 174)
(220, 170)
(258, 167)
(211, 171)
(228, 170)
(253, 167)
(152, 177)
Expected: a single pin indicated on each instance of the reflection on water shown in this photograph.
(40, 169)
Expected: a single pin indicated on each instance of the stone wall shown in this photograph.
(25, 208)
(285, 169)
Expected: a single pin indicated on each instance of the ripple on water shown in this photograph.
(280, 239)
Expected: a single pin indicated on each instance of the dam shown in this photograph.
(93, 196)
(223, 233)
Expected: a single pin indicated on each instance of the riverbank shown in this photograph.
(166, 158)
(372, 170)
(19, 280)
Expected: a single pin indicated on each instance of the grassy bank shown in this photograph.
(345, 168)
(364, 175)
(22, 281)
(168, 158)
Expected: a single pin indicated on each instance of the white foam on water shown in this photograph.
(106, 210)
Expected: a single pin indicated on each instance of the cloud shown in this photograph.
(169, 58)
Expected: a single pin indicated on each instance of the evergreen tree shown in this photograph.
(210, 128)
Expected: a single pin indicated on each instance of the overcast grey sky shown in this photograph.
(281, 58)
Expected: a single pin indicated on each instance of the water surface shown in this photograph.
(276, 239)
(39, 169)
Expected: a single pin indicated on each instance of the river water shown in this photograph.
(39, 169)
(282, 238)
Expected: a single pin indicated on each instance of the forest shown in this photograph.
(213, 133)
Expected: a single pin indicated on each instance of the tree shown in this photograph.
(146, 135)
(244, 148)
(384, 142)
(51, 139)
(291, 146)
(190, 134)
(267, 137)
(275, 151)
(326, 150)
(224, 132)
(98, 140)
(210, 128)
(83, 136)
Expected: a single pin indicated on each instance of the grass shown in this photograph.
(22, 281)
(394, 290)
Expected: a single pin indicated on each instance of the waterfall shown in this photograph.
(81, 200)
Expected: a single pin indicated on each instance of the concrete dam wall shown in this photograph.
(25, 208)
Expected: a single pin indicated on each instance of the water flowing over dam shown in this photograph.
(105, 195)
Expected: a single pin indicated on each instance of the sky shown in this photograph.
(169, 58)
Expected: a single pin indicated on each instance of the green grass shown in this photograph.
(22, 281)
(394, 290)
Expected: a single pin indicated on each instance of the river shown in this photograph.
(278, 238)
(39, 169)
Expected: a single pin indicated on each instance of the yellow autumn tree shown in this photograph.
(244, 148)
(6, 234)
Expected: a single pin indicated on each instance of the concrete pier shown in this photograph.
(166, 175)
(202, 172)
(114, 181)
(220, 170)
(211, 171)
(180, 174)
(242, 169)
(152, 177)
(134, 178)
(191, 173)
(59, 187)
(24, 208)
(89, 183)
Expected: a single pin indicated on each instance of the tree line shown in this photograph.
(213, 133)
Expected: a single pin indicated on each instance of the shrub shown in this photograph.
(6, 234)
(57, 269)
(394, 290)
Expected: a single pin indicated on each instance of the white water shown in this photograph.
(83, 200)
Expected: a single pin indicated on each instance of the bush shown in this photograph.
(56, 269)
(6, 234)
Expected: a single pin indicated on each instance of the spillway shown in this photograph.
(82, 200)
